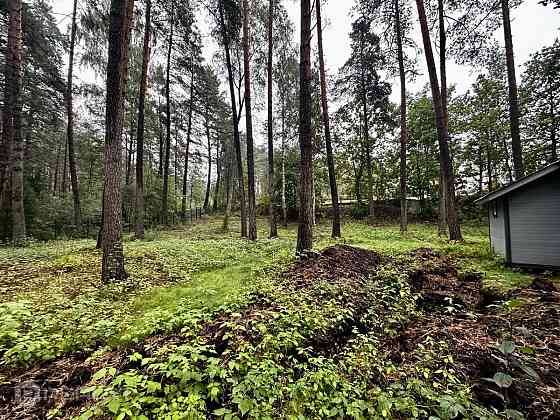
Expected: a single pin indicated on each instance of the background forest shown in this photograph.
(185, 139)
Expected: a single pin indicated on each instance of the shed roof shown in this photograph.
(547, 170)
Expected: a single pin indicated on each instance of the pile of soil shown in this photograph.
(334, 264)
(439, 284)
(473, 334)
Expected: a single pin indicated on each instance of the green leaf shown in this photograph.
(531, 372)
(507, 347)
(113, 406)
(503, 380)
(245, 406)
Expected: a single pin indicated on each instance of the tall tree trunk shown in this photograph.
(14, 135)
(209, 177)
(117, 72)
(139, 213)
(513, 97)
(442, 230)
(218, 177)
(404, 128)
(160, 136)
(553, 138)
(165, 192)
(188, 145)
(70, 116)
(326, 124)
(305, 230)
(228, 187)
(271, 195)
(64, 168)
(367, 145)
(442, 130)
(252, 208)
(236, 136)
(283, 163)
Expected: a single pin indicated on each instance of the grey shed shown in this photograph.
(525, 219)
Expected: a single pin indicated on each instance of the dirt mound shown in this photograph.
(473, 332)
(439, 283)
(31, 393)
(334, 264)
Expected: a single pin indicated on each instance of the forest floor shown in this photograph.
(376, 325)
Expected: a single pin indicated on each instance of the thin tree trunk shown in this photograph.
(218, 177)
(513, 97)
(443, 83)
(70, 130)
(209, 177)
(229, 183)
(64, 168)
(15, 135)
(236, 136)
(271, 196)
(367, 145)
(404, 128)
(305, 230)
(139, 212)
(165, 192)
(252, 208)
(336, 233)
(57, 167)
(553, 138)
(117, 72)
(161, 143)
(283, 158)
(187, 148)
(443, 132)
(442, 209)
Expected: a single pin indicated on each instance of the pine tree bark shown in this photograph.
(13, 130)
(234, 117)
(70, 129)
(216, 203)
(209, 145)
(117, 72)
(283, 163)
(139, 213)
(336, 233)
(516, 146)
(165, 192)
(252, 207)
(442, 229)
(442, 129)
(404, 128)
(305, 230)
(553, 138)
(188, 145)
(271, 195)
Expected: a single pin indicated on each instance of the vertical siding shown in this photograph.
(497, 228)
(535, 222)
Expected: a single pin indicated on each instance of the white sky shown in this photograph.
(533, 26)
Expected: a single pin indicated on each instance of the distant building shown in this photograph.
(525, 219)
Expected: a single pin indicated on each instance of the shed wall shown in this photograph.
(535, 223)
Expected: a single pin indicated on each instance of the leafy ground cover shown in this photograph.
(209, 325)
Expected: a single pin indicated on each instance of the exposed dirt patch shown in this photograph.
(334, 264)
(30, 394)
(473, 331)
(439, 284)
